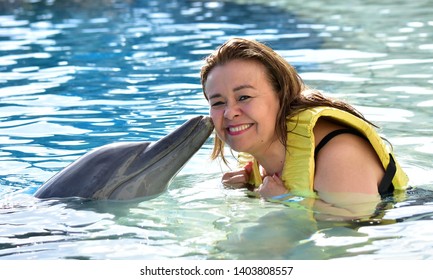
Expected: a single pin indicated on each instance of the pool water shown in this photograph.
(75, 75)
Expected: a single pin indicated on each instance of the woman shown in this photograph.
(290, 139)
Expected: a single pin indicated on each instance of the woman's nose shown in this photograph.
(231, 111)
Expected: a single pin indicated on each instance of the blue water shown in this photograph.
(75, 75)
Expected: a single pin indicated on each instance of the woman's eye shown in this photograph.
(216, 104)
(244, 97)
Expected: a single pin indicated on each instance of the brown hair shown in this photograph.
(293, 94)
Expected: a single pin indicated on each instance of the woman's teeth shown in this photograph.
(239, 128)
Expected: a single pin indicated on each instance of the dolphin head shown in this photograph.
(124, 171)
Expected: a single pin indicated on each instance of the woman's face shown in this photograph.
(243, 105)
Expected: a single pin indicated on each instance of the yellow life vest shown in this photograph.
(298, 171)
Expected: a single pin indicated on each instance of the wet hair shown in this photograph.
(292, 92)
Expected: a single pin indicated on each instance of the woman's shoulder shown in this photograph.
(323, 127)
(347, 162)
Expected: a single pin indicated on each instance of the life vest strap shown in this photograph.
(386, 187)
(334, 133)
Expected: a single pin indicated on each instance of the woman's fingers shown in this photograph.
(272, 186)
(249, 167)
(235, 179)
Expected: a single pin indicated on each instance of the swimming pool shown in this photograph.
(75, 75)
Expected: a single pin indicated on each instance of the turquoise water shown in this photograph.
(75, 75)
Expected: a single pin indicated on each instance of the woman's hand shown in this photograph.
(272, 186)
(239, 178)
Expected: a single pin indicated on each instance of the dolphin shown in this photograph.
(129, 170)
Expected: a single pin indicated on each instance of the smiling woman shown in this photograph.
(263, 110)
(232, 92)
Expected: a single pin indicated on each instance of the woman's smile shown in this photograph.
(234, 130)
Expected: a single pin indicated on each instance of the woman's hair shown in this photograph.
(293, 94)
